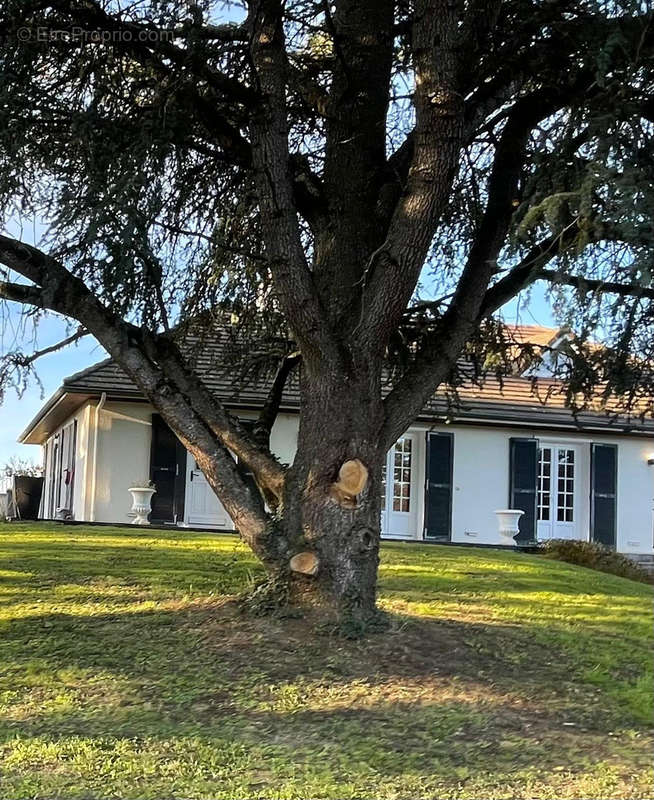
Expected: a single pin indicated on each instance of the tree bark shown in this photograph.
(340, 423)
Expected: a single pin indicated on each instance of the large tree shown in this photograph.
(364, 182)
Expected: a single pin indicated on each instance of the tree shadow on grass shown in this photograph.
(207, 689)
(174, 657)
(89, 666)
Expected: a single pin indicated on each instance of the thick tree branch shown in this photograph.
(355, 151)
(20, 293)
(156, 366)
(268, 414)
(434, 362)
(530, 268)
(228, 32)
(308, 192)
(526, 272)
(279, 221)
(394, 178)
(394, 267)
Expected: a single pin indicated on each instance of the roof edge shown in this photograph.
(83, 373)
(45, 409)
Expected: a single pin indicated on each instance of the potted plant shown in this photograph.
(508, 520)
(142, 493)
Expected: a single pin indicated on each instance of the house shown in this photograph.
(509, 444)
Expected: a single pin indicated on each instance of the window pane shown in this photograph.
(402, 475)
(565, 485)
(544, 485)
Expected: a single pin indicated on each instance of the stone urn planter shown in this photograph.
(508, 519)
(141, 500)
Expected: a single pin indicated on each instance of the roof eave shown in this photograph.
(53, 413)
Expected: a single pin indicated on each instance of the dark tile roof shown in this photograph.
(515, 400)
(209, 361)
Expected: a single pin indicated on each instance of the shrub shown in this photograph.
(595, 556)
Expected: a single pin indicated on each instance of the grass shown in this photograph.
(127, 672)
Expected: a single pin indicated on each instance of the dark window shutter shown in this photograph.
(603, 493)
(523, 477)
(438, 486)
(168, 473)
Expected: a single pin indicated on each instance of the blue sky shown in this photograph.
(16, 412)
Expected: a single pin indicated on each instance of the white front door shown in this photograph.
(558, 492)
(398, 500)
(203, 508)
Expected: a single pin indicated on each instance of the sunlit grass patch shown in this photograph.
(127, 671)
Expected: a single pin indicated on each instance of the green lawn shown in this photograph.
(126, 672)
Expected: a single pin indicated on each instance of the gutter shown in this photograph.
(94, 474)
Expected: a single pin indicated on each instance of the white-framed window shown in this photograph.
(556, 484)
(399, 460)
(565, 485)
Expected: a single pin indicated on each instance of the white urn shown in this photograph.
(508, 519)
(141, 500)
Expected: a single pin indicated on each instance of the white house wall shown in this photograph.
(635, 496)
(481, 482)
(480, 471)
(124, 439)
(123, 458)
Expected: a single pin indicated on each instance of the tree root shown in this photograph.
(271, 597)
(293, 596)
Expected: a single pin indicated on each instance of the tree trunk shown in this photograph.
(340, 423)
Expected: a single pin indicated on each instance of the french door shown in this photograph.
(398, 501)
(558, 492)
